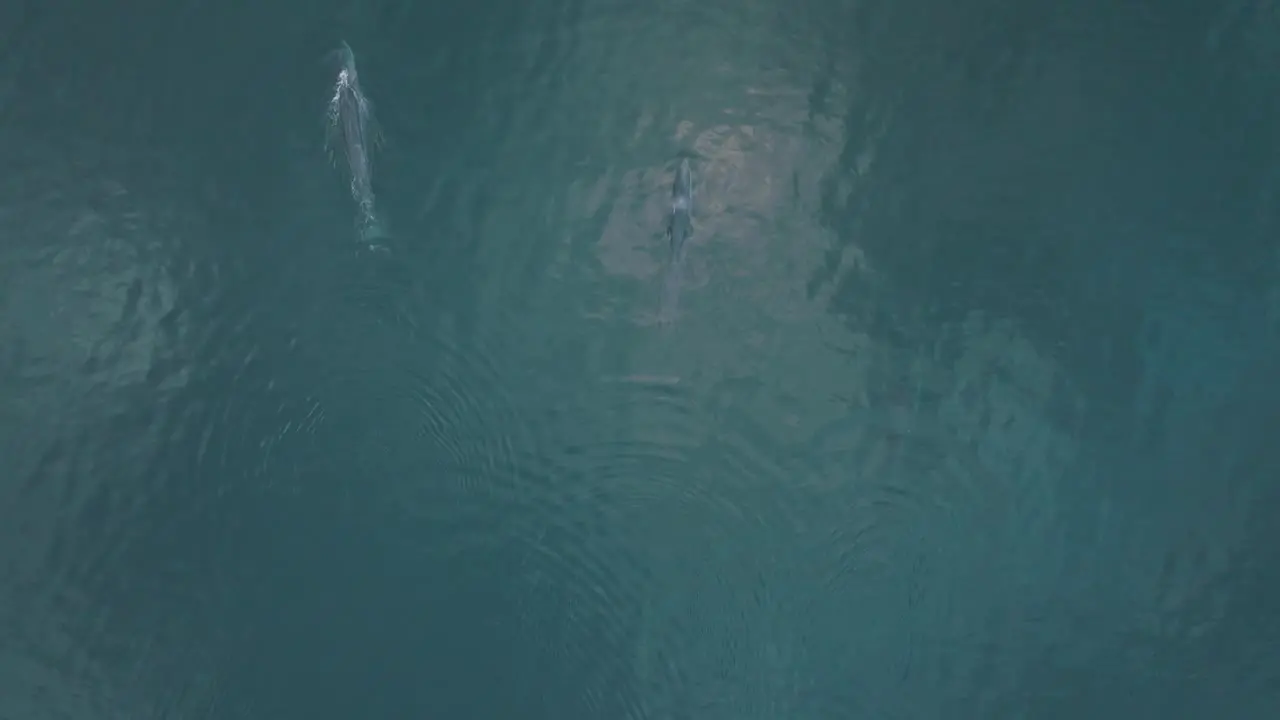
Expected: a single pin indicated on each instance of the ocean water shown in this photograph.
(968, 410)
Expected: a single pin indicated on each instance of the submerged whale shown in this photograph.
(679, 229)
(352, 137)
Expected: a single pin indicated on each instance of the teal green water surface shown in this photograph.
(952, 396)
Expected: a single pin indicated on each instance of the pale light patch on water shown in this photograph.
(756, 244)
(767, 421)
(753, 355)
(745, 308)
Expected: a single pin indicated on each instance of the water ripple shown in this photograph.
(115, 426)
(866, 471)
